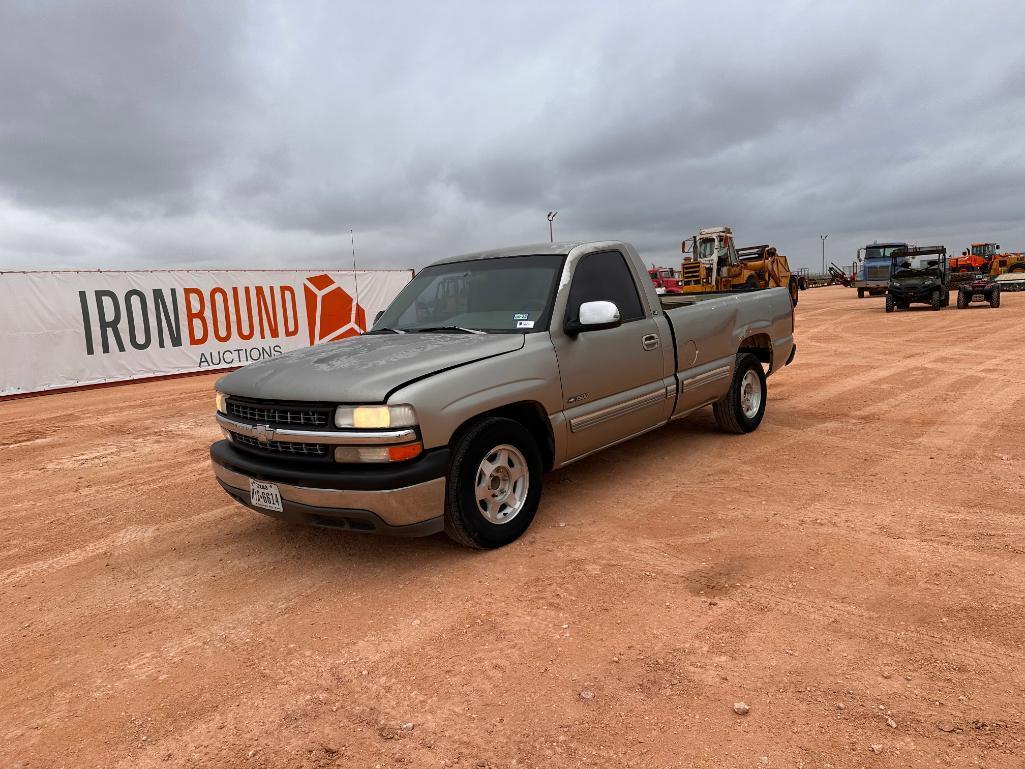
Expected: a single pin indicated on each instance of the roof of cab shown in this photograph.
(530, 249)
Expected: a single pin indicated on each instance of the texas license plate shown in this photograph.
(978, 297)
(265, 495)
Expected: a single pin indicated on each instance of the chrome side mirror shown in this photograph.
(594, 316)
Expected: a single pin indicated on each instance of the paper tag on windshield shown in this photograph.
(524, 324)
(521, 316)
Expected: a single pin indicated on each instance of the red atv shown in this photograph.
(980, 289)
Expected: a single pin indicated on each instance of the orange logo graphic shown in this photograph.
(330, 312)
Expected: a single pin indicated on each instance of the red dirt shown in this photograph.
(859, 557)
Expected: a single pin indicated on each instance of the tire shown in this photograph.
(890, 304)
(946, 298)
(861, 293)
(962, 300)
(936, 300)
(994, 299)
(742, 408)
(792, 286)
(751, 283)
(485, 443)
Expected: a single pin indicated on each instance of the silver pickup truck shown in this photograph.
(486, 372)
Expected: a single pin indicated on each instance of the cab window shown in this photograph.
(604, 276)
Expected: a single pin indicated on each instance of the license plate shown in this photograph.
(978, 297)
(265, 495)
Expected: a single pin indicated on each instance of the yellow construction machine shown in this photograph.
(712, 263)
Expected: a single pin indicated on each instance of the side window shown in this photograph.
(604, 276)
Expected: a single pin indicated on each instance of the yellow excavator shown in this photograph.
(712, 263)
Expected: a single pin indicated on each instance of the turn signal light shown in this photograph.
(400, 453)
(349, 454)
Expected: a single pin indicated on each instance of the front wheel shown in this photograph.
(494, 484)
(962, 300)
(890, 303)
(994, 300)
(936, 300)
(742, 408)
(861, 293)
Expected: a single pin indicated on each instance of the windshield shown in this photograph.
(881, 252)
(706, 248)
(510, 294)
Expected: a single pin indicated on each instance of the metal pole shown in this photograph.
(823, 239)
(355, 278)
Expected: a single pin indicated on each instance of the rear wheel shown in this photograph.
(793, 291)
(936, 300)
(962, 300)
(890, 304)
(494, 484)
(861, 293)
(742, 408)
(994, 299)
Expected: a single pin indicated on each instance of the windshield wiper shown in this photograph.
(384, 330)
(437, 329)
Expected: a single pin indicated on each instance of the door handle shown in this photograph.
(649, 341)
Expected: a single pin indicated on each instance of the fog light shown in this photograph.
(353, 454)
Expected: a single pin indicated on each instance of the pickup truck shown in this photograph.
(487, 371)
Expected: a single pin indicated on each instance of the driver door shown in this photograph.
(612, 379)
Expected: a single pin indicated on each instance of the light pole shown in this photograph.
(823, 239)
(551, 227)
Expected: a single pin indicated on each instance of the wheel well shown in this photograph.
(758, 345)
(531, 415)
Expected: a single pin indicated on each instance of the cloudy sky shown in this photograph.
(166, 134)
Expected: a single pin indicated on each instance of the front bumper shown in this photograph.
(403, 500)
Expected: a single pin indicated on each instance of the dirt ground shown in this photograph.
(854, 571)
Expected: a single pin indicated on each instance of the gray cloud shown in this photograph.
(175, 134)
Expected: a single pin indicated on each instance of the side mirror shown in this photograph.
(594, 316)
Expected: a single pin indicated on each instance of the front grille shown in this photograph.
(282, 447)
(277, 413)
(877, 273)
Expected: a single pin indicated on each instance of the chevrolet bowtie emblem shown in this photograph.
(263, 433)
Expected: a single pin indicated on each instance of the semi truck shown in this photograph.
(666, 280)
(446, 416)
(873, 273)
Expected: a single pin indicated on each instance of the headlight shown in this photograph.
(375, 417)
(222, 402)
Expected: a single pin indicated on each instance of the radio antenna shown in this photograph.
(355, 278)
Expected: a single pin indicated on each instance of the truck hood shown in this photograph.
(362, 369)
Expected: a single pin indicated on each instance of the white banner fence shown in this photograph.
(71, 328)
